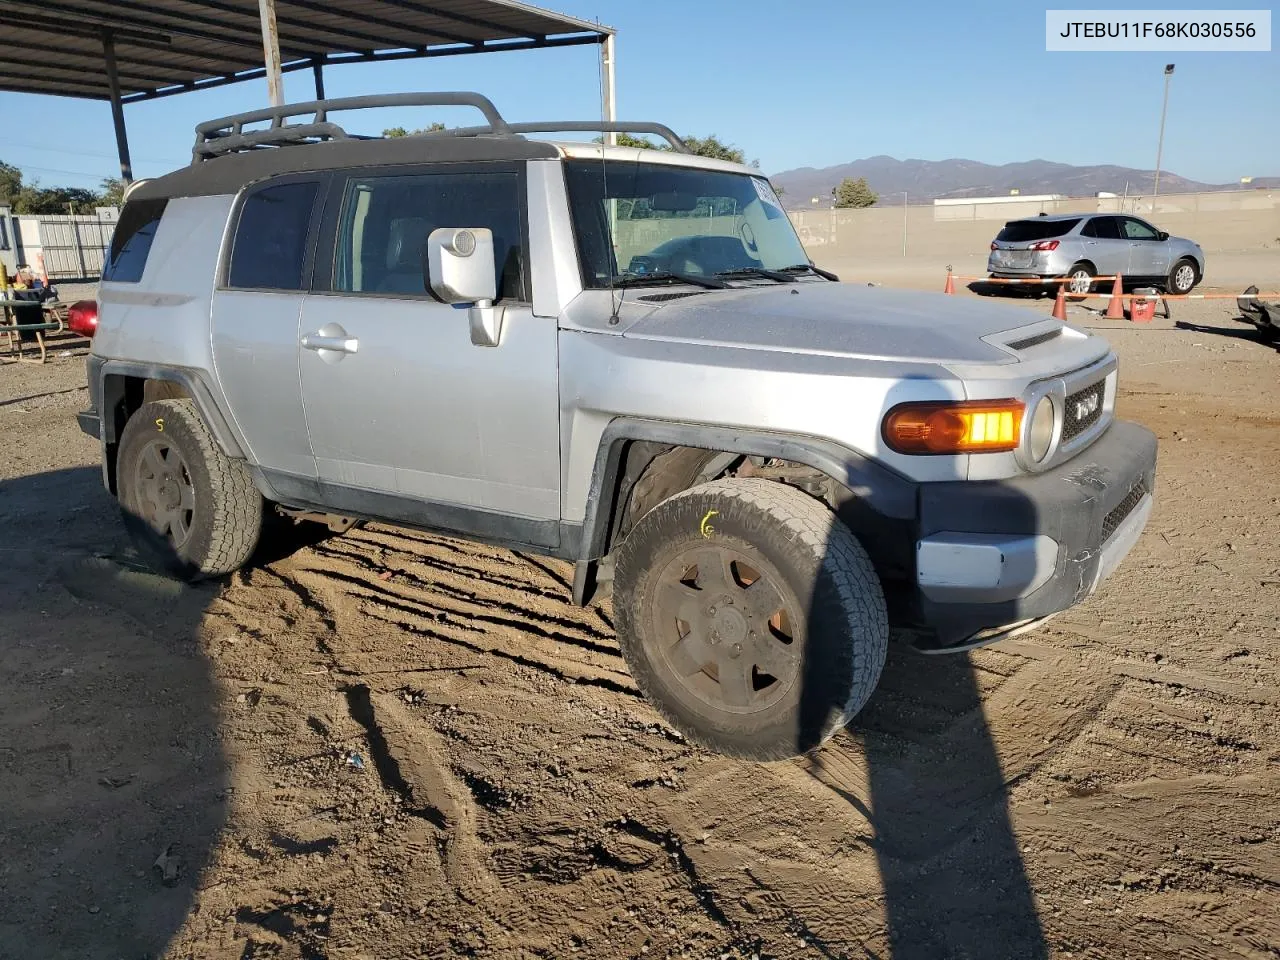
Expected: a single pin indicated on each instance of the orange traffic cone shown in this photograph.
(1115, 308)
(1060, 305)
(951, 283)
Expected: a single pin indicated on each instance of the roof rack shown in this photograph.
(570, 126)
(226, 135)
(215, 138)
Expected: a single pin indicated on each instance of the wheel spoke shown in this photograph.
(713, 570)
(188, 501)
(775, 658)
(163, 521)
(152, 460)
(681, 601)
(690, 655)
(763, 599)
(735, 681)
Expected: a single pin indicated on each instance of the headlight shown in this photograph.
(1040, 436)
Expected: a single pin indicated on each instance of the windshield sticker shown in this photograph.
(765, 192)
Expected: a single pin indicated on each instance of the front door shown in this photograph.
(405, 414)
(1148, 254)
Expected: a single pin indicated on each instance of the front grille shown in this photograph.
(1125, 507)
(1084, 409)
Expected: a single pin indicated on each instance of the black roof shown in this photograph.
(228, 174)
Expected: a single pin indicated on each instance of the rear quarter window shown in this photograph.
(1026, 231)
(131, 241)
(270, 246)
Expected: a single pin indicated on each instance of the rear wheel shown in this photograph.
(750, 617)
(1183, 277)
(1080, 279)
(189, 508)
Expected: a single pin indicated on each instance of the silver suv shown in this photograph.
(622, 358)
(1084, 246)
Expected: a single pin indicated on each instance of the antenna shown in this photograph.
(615, 302)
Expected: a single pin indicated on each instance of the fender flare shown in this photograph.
(193, 381)
(883, 489)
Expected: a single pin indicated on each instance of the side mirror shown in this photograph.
(1162, 235)
(458, 269)
(459, 266)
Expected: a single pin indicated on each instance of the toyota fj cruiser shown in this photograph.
(620, 357)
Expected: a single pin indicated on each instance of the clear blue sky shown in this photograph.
(798, 84)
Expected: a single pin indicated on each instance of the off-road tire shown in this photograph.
(1172, 284)
(226, 517)
(842, 638)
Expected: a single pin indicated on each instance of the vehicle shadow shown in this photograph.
(1247, 332)
(937, 800)
(114, 784)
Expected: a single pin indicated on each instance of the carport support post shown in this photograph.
(271, 51)
(317, 71)
(117, 108)
(609, 90)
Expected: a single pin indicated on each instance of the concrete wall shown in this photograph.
(1239, 230)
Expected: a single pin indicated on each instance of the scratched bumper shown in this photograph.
(992, 553)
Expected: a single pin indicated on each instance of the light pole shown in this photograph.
(1155, 190)
(904, 223)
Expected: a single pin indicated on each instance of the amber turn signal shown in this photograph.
(970, 426)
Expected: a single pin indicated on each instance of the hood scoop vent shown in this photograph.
(664, 297)
(1034, 341)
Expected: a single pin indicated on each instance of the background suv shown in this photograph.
(1083, 246)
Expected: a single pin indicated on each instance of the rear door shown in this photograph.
(256, 310)
(1148, 254)
(1104, 245)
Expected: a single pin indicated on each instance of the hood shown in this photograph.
(840, 320)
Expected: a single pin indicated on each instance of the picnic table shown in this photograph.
(9, 325)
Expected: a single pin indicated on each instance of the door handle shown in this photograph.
(316, 341)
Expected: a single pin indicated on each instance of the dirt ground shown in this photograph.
(393, 745)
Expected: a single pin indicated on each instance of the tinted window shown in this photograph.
(1025, 231)
(1137, 230)
(386, 222)
(271, 238)
(131, 241)
(1104, 228)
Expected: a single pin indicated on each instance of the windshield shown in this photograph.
(675, 220)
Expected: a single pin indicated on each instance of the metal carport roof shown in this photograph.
(130, 50)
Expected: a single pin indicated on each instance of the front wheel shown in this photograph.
(189, 508)
(750, 617)
(1183, 277)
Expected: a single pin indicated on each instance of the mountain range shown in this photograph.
(925, 180)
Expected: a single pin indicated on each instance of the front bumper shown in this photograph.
(1000, 552)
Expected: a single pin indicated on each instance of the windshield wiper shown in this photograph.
(803, 267)
(758, 272)
(698, 280)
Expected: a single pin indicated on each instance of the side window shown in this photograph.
(131, 240)
(386, 222)
(270, 246)
(1137, 230)
(1104, 228)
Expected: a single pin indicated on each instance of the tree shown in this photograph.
(853, 193)
(112, 192)
(10, 183)
(402, 132)
(627, 140)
